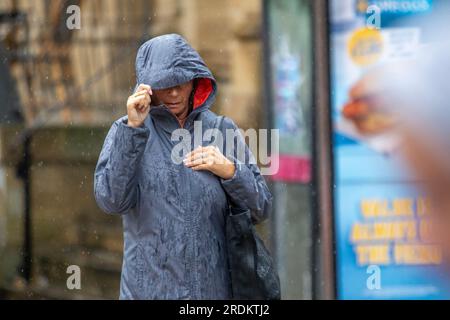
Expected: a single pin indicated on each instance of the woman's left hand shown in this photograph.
(210, 158)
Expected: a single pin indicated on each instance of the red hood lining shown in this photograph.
(202, 92)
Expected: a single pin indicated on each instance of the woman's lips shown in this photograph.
(173, 105)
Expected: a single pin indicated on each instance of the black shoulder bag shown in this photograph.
(252, 271)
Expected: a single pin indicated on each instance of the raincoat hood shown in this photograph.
(167, 61)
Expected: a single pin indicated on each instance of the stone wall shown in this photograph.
(226, 33)
(67, 226)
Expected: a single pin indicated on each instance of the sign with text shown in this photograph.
(384, 248)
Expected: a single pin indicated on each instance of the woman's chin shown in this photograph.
(177, 111)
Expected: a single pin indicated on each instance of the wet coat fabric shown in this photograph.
(173, 217)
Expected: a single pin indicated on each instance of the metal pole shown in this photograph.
(24, 173)
(323, 225)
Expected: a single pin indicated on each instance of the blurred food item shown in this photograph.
(368, 115)
(369, 107)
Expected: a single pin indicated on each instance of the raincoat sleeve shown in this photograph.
(115, 181)
(247, 189)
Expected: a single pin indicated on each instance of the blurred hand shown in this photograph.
(210, 158)
(138, 105)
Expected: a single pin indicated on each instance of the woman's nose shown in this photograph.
(173, 91)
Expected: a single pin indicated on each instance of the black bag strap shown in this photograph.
(218, 124)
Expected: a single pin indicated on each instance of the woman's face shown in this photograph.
(175, 98)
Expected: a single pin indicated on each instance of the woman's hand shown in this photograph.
(138, 105)
(211, 159)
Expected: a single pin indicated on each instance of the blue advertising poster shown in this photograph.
(381, 219)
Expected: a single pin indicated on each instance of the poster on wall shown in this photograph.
(291, 81)
(381, 218)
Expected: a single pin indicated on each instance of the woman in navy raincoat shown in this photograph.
(173, 213)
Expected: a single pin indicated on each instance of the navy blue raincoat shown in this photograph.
(173, 217)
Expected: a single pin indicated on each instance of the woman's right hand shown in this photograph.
(138, 105)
